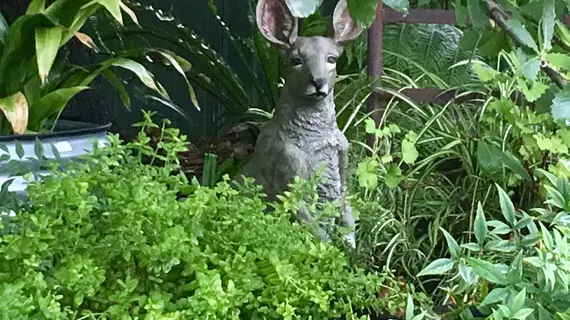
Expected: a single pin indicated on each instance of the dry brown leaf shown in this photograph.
(87, 41)
(15, 108)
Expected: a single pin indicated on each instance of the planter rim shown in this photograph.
(78, 128)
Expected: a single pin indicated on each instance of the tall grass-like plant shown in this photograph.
(249, 96)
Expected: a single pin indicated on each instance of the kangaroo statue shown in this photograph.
(303, 134)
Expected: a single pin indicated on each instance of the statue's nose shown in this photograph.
(318, 83)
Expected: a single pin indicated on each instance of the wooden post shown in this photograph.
(374, 67)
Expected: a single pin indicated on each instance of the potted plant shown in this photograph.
(36, 83)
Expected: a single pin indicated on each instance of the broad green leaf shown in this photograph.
(531, 68)
(562, 32)
(504, 310)
(555, 197)
(362, 11)
(55, 152)
(47, 46)
(393, 176)
(114, 8)
(471, 246)
(410, 308)
(129, 12)
(303, 8)
(18, 52)
(79, 20)
(496, 315)
(489, 157)
(118, 85)
(20, 150)
(38, 149)
(182, 66)
(517, 264)
(535, 261)
(467, 273)
(409, 152)
(501, 246)
(522, 34)
(518, 301)
(15, 108)
(511, 162)
(561, 105)
(546, 237)
(496, 295)
(523, 313)
(461, 13)
(370, 125)
(78, 298)
(399, 5)
(535, 91)
(477, 13)
(451, 244)
(51, 104)
(548, 19)
(484, 72)
(524, 222)
(437, 267)
(143, 74)
(500, 227)
(480, 226)
(65, 12)
(507, 207)
(367, 174)
(543, 314)
(560, 61)
(487, 270)
(37, 6)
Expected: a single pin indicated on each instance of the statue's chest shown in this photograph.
(316, 149)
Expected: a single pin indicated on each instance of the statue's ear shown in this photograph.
(276, 22)
(345, 29)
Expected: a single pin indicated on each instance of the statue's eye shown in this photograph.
(296, 61)
(331, 59)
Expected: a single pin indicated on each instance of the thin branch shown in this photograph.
(501, 18)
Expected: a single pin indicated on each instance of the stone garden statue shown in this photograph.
(303, 134)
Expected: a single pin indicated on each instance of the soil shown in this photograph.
(236, 143)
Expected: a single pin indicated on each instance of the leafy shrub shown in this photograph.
(111, 238)
(517, 268)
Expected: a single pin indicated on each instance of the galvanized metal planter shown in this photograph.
(71, 139)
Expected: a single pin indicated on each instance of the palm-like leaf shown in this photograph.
(255, 89)
(435, 47)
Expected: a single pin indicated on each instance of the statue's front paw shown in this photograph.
(350, 240)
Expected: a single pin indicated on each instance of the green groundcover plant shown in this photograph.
(111, 238)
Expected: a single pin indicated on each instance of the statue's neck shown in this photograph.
(306, 113)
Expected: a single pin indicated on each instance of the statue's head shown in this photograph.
(311, 61)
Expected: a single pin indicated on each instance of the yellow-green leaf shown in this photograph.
(37, 6)
(559, 60)
(51, 104)
(47, 45)
(114, 8)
